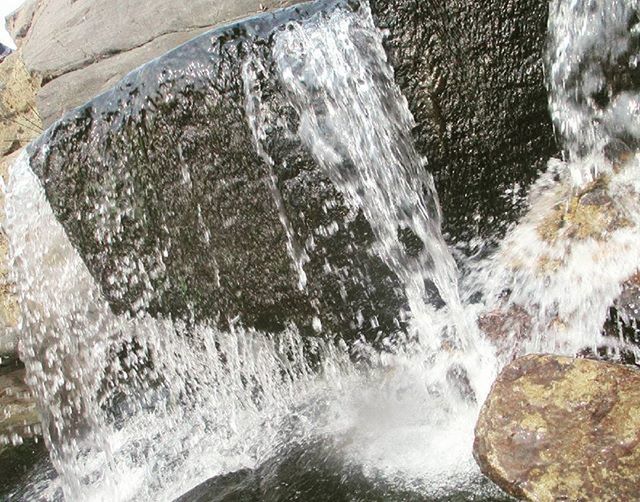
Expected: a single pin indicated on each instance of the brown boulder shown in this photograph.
(556, 428)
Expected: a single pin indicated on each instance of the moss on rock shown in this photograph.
(556, 428)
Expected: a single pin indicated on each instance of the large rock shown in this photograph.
(556, 428)
(97, 42)
(195, 97)
(194, 232)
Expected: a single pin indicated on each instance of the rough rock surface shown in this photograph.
(472, 72)
(207, 227)
(556, 428)
(194, 96)
(97, 41)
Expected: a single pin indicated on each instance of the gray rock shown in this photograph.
(76, 87)
(65, 36)
(59, 37)
(4, 52)
(19, 21)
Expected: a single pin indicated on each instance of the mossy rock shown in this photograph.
(589, 214)
(556, 428)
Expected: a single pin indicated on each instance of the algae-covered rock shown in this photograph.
(556, 428)
(591, 213)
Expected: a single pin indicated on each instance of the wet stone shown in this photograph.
(19, 416)
(203, 238)
(555, 428)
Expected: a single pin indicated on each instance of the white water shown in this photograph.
(214, 402)
(200, 418)
(566, 285)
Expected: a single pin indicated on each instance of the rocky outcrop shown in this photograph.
(94, 44)
(555, 428)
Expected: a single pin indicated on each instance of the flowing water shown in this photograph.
(147, 409)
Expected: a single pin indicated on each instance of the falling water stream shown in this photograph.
(138, 408)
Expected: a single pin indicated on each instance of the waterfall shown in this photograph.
(357, 124)
(558, 272)
(142, 407)
(184, 405)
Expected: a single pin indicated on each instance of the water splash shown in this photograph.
(592, 68)
(355, 121)
(558, 272)
(138, 408)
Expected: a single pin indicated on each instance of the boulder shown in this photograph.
(555, 428)
(195, 97)
(205, 240)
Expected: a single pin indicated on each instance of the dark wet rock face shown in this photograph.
(176, 182)
(164, 169)
(473, 75)
(555, 428)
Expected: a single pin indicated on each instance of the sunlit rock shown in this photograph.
(19, 124)
(74, 49)
(19, 120)
(556, 428)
